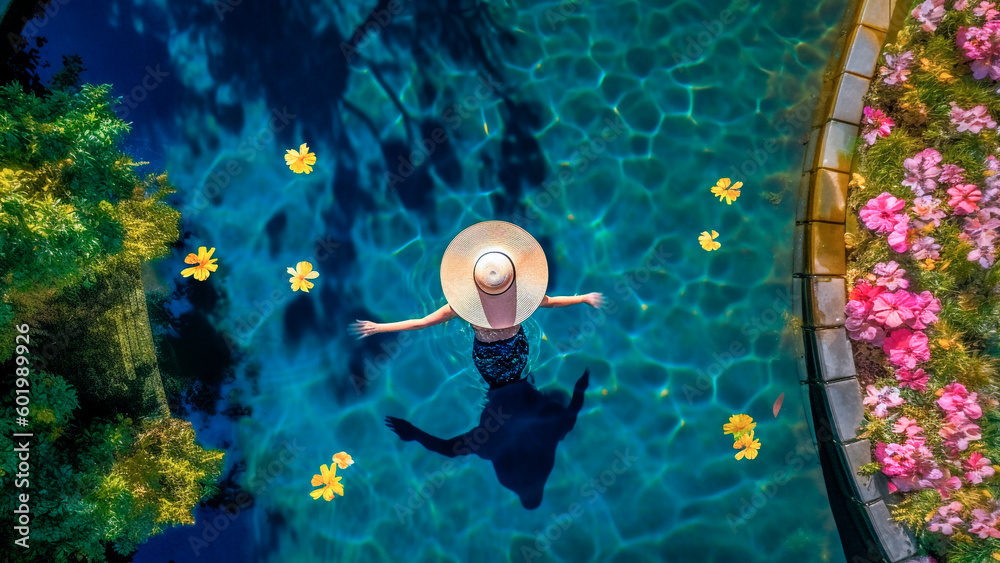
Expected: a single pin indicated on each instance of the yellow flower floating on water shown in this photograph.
(747, 445)
(708, 241)
(301, 274)
(726, 192)
(300, 160)
(738, 424)
(343, 460)
(328, 482)
(205, 264)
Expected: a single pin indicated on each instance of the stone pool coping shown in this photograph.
(826, 364)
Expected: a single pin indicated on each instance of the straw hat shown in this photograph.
(494, 274)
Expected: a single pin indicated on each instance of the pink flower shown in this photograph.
(897, 68)
(925, 247)
(952, 396)
(906, 426)
(952, 174)
(890, 276)
(922, 171)
(946, 483)
(882, 399)
(863, 328)
(899, 238)
(926, 209)
(902, 460)
(985, 523)
(894, 309)
(992, 173)
(982, 47)
(946, 518)
(973, 120)
(877, 124)
(897, 459)
(858, 309)
(925, 311)
(865, 292)
(964, 198)
(957, 432)
(978, 468)
(980, 231)
(986, 10)
(955, 398)
(929, 13)
(881, 213)
(911, 465)
(984, 255)
(961, 4)
(906, 348)
(914, 379)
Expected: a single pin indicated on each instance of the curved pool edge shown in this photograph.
(827, 373)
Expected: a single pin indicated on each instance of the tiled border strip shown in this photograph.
(826, 369)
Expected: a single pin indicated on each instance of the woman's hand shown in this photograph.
(361, 329)
(595, 300)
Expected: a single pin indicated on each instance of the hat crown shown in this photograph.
(494, 272)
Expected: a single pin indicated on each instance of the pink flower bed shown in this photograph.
(923, 310)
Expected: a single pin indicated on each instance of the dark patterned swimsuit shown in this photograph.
(502, 361)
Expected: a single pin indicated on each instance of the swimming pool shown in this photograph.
(599, 129)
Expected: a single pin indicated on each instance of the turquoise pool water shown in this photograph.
(641, 106)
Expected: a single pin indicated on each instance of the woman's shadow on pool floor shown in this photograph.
(518, 432)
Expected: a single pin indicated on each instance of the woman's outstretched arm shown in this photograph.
(362, 329)
(593, 299)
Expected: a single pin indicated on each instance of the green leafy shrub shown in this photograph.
(116, 482)
(154, 482)
(71, 203)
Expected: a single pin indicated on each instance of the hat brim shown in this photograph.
(531, 275)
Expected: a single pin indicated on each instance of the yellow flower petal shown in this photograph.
(328, 494)
(708, 241)
(317, 480)
(725, 192)
(292, 271)
(343, 460)
(186, 272)
(303, 268)
(317, 493)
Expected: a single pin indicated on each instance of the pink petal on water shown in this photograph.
(777, 404)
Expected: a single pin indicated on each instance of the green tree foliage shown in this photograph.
(116, 482)
(71, 203)
(154, 482)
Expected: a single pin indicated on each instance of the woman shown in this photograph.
(494, 276)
